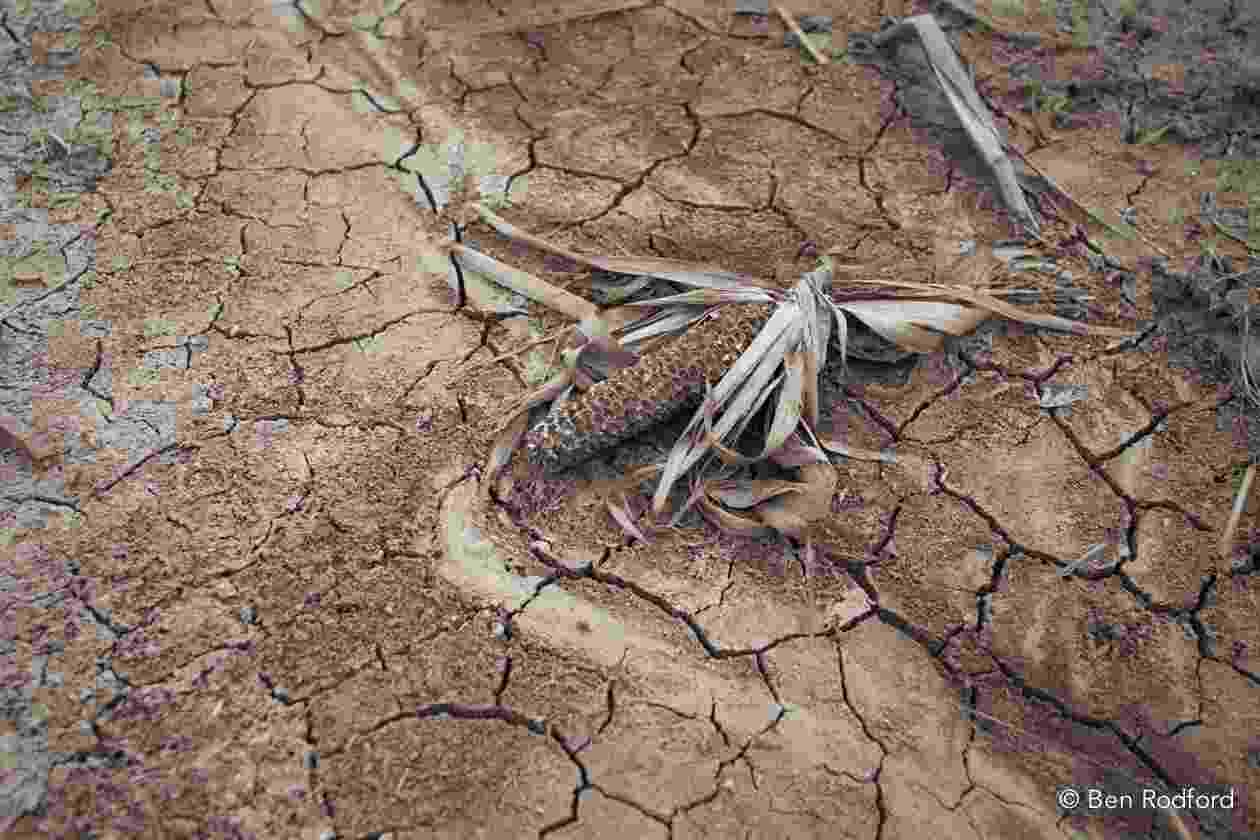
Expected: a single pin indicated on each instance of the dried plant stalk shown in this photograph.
(1240, 503)
(790, 22)
(762, 345)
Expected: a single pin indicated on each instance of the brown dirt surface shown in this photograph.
(253, 585)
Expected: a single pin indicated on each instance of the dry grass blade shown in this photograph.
(746, 494)
(1240, 502)
(790, 22)
(856, 453)
(1245, 354)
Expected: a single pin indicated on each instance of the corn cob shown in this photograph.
(634, 399)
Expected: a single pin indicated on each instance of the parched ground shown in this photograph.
(252, 586)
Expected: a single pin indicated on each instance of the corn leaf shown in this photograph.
(793, 514)
(728, 522)
(743, 385)
(915, 325)
(534, 288)
(623, 516)
(998, 307)
(739, 494)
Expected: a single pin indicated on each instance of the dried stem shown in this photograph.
(554, 335)
(1240, 502)
(796, 30)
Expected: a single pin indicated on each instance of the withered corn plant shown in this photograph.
(735, 341)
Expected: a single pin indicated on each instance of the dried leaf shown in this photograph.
(916, 325)
(976, 118)
(617, 288)
(730, 456)
(1240, 504)
(817, 322)
(666, 322)
(707, 297)
(841, 448)
(532, 287)
(796, 453)
(793, 514)
(746, 493)
(688, 274)
(787, 415)
(751, 374)
(691, 274)
(621, 513)
(508, 439)
(728, 522)
(998, 307)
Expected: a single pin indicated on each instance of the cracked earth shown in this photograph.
(252, 587)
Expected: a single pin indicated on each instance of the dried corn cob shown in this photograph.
(636, 398)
